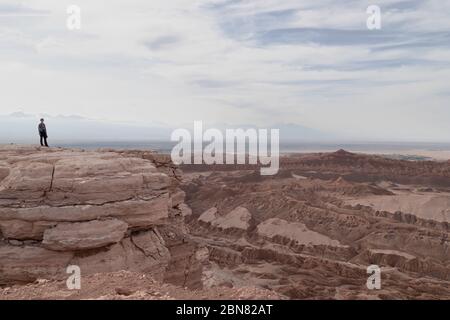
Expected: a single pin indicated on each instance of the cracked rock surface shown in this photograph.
(103, 210)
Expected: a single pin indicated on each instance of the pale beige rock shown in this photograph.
(295, 231)
(185, 210)
(84, 235)
(209, 215)
(431, 205)
(238, 218)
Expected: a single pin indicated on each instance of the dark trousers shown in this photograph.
(44, 141)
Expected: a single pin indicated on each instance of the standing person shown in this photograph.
(43, 133)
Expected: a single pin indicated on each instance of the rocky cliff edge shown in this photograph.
(103, 211)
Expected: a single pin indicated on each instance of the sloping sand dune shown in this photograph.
(433, 206)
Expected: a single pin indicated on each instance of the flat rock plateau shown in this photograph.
(139, 227)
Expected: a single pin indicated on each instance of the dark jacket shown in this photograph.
(42, 130)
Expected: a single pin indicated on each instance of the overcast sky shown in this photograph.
(261, 62)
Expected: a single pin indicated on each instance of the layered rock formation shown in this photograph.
(353, 167)
(312, 230)
(103, 211)
(309, 232)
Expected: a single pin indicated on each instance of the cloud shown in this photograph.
(15, 10)
(162, 42)
(262, 62)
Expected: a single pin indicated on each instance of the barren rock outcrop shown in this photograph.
(103, 211)
(309, 232)
(317, 225)
(84, 235)
(293, 231)
(237, 219)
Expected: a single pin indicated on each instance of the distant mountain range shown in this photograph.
(19, 127)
